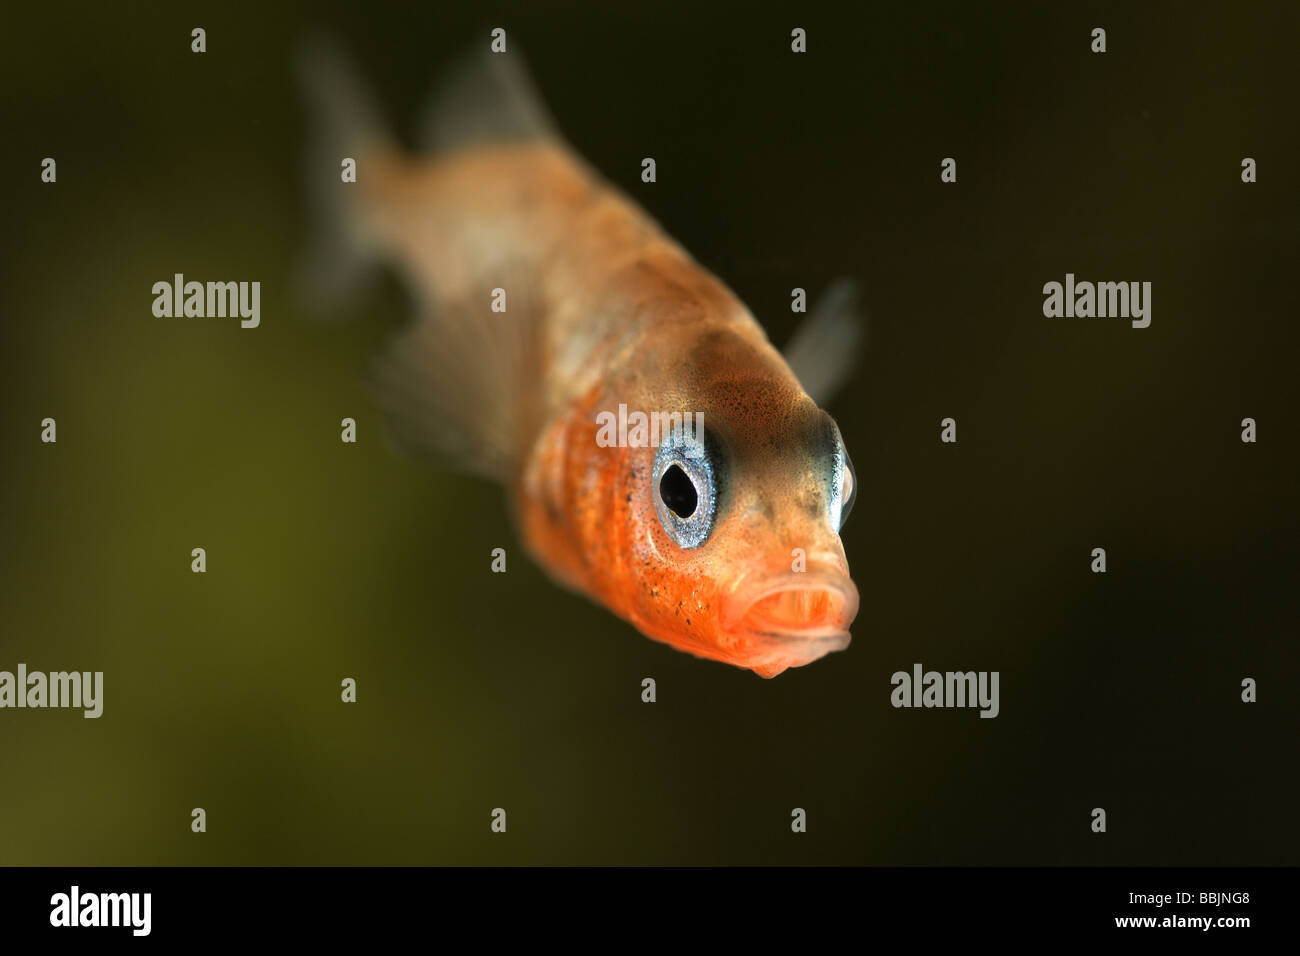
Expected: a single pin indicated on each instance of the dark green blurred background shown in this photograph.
(478, 690)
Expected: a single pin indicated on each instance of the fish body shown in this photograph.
(548, 300)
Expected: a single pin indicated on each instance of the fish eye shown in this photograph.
(677, 492)
(844, 485)
(685, 489)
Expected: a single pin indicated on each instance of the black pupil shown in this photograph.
(678, 492)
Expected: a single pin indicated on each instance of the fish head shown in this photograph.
(740, 558)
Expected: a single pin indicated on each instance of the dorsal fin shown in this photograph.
(453, 382)
(485, 98)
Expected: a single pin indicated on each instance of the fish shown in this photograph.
(547, 300)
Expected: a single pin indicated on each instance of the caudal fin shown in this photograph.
(344, 124)
(452, 384)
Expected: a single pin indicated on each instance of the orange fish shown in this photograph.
(548, 305)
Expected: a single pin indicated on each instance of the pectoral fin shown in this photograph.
(824, 349)
(453, 384)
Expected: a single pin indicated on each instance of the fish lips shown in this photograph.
(796, 616)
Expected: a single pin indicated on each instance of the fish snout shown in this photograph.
(796, 615)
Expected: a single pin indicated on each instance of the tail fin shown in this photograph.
(345, 124)
(452, 384)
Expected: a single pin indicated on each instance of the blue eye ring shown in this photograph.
(844, 485)
(682, 461)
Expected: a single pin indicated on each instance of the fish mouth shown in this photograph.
(800, 615)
